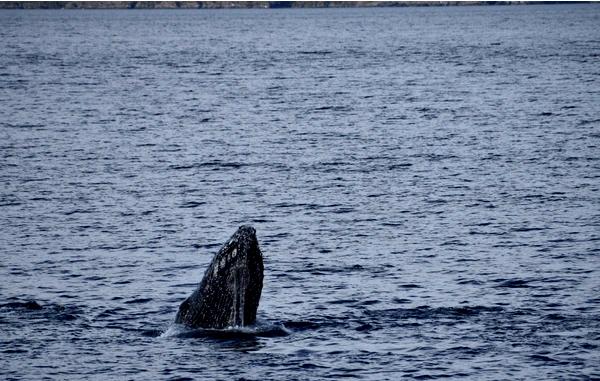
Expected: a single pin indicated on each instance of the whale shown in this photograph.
(229, 293)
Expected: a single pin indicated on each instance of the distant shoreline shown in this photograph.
(247, 4)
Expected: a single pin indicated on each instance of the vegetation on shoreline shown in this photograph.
(237, 4)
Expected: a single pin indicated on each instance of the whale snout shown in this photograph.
(247, 230)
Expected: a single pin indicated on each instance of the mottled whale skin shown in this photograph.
(229, 293)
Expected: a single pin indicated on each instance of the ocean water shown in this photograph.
(424, 183)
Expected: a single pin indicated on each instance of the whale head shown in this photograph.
(229, 293)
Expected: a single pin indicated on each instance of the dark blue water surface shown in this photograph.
(424, 184)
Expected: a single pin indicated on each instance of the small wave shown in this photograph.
(300, 325)
(109, 313)
(426, 312)
(409, 286)
(214, 165)
(365, 327)
(315, 52)
(28, 305)
(138, 301)
(513, 283)
(470, 281)
(36, 310)
(14, 351)
(527, 229)
(78, 211)
(258, 330)
(152, 332)
(543, 358)
(193, 204)
(343, 301)
(173, 330)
